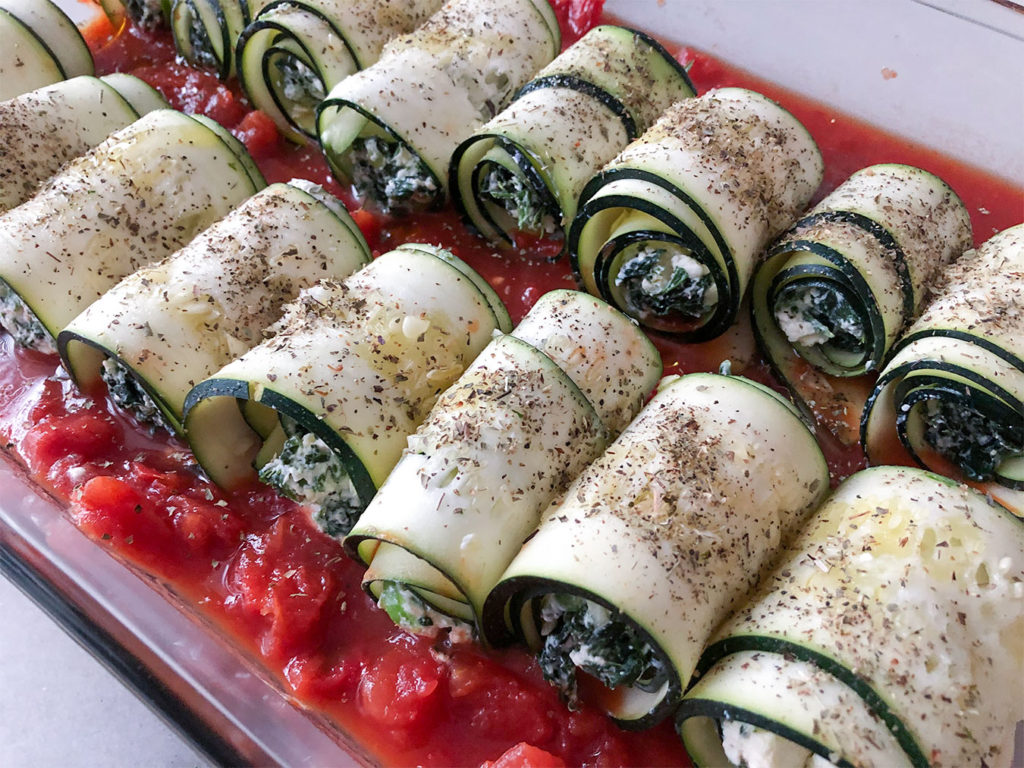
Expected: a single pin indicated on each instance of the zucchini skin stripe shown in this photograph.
(230, 17)
(576, 83)
(39, 46)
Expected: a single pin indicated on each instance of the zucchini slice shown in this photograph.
(522, 421)
(149, 14)
(142, 194)
(43, 129)
(951, 397)
(295, 51)
(170, 325)
(207, 31)
(838, 288)
(903, 591)
(657, 539)
(524, 169)
(323, 408)
(39, 46)
(669, 230)
(391, 129)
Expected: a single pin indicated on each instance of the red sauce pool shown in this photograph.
(286, 593)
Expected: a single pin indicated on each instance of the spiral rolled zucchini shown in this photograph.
(148, 14)
(391, 129)
(524, 169)
(323, 408)
(137, 197)
(39, 46)
(207, 31)
(534, 408)
(951, 397)
(889, 634)
(170, 325)
(669, 231)
(295, 51)
(658, 539)
(836, 291)
(45, 128)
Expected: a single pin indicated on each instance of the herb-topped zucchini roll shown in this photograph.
(391, 129)
(838, 288)
(322, 409)
(207, 31)
(295, 51)
(534, 408)
(669, 231)
(889, 634)
(951, 397)
(148, 14)
(170, 325)
(39, 46)
(524, 169)
(45, 128)
(142, 194)
(658, 539)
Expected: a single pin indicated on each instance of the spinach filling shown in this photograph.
(510, 192)
(146, 13)
(199, 41)
(309, 472)
(299, 89)
(21, 322)
(128, 394)
(976, 442)
(389, 175)
(415, 615)
(580, 634)
(662, 281)
(813, 316)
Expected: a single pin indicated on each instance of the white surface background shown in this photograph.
(58, 707)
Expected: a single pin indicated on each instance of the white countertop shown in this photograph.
(60, 707)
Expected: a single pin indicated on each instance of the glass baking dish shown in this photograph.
(945, 73)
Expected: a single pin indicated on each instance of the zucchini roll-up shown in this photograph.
(39, 46)
(530, 413)
(322, 409)
(295, 51)
(951, 397)
(142, 194)
(658, 539)
(670, 230)
(837, 290)
(45, 128)
(889, 634)
(391, 129)
(207, 31)
(525, 168)
(170, 325)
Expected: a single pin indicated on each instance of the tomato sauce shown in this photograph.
(253, 562)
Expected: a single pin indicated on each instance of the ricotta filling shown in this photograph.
(813, 316)
(198, 39)
(580, 634)
(510, 192)
(663, 280)
(146, 13)
(309, 472)
(415, 615)
(390, 176)
(747, 746)
(127, 393)
(21, 322)
(299, 89)
(976, 442)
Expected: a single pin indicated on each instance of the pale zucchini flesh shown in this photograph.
(39, 46)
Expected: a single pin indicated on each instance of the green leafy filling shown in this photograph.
(308, 471)
(814, 315)
(390, 176)
(662, 281)
(519, 199)
(128, 393)
(976, 442)
(579, 634)
(21, 322)
(298, 83)
(198, 40)
(414, 614)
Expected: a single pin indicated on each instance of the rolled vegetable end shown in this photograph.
(884, 636)
(523, 170)
(627, 576)
(499, 445)
(39, 46)
(951, 398)
(207, 31)
(663, 231)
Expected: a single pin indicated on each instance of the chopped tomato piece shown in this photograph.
(524, 755)
(259, 134)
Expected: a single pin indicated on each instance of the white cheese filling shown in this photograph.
(747, 746)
